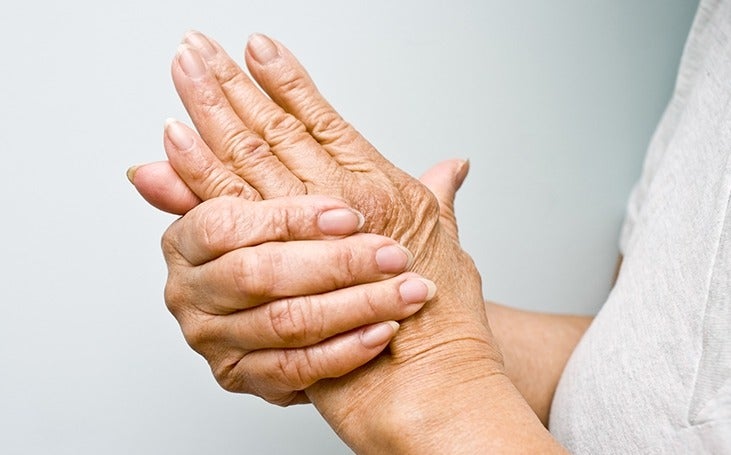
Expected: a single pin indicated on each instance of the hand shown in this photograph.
(295, 143)
(265, 327)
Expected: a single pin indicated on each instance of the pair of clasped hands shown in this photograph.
(299, 248)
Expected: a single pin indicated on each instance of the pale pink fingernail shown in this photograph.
(417, 290)
(379, 334)
(393, 259)
(262, 48)
(191, 62)
(200, 42)
(178, 134)
(340, 221)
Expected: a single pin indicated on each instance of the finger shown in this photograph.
(199, 168)
(276, 375)
(239, 148)
(287, 136)
(224, 224)
(307, 320)
(444, 180)
(159, 185)
(284, 79)
(247, 277)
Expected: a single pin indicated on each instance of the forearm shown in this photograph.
(535, 347)
(477, 411)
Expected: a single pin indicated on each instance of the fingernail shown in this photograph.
(417, 290)
(379, 334)
(393, 259)
(191, 62)
(131, 174)
(340, 221)
(178, 134)
(201, 43)
(262, 48)
(462, 173)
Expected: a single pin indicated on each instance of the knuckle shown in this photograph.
(175, 297)
(294, 322)
(285, 222)
(236, 188)
(328, 124)
(210, 98)
(281, 126)
(231, 77)
(241, 146)
(293, 82)
(252, 275)
(216, 226)
(346, 265)
(296, 368)
(196, 334)
(218, 182)
(168, 242)
(370, 303)
(227, 379)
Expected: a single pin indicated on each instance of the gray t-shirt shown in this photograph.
(653, 372)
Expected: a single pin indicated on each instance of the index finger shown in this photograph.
(224, 224)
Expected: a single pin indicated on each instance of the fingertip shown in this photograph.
(261, 48)
(461, 174)
(159, 185)
(179, 135)
(131, 173)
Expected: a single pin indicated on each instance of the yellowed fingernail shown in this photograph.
(131, 174)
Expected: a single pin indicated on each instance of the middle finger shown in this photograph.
(239, 148)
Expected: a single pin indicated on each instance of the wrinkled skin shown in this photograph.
(254, 147)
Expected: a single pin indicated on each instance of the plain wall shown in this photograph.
(553, 103)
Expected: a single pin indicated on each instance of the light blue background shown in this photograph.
(553, 102)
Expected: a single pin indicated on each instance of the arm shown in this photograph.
(535, 347)
(443, 387)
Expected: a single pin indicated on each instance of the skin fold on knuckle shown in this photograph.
(170, 244)
(290, 221)
(218, 225)
(175, 297)
(230, 373)
(288, 321)
(256, 274)
(297, 368)
(200, 334)
(242, 149)
(282, 129)
(347, 269)
(291, 84)
(231, 78)
(329, 127)
(281, 221)
(208, 101)
(218, 183)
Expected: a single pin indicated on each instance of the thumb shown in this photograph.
(444, 180)
(161, 186)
